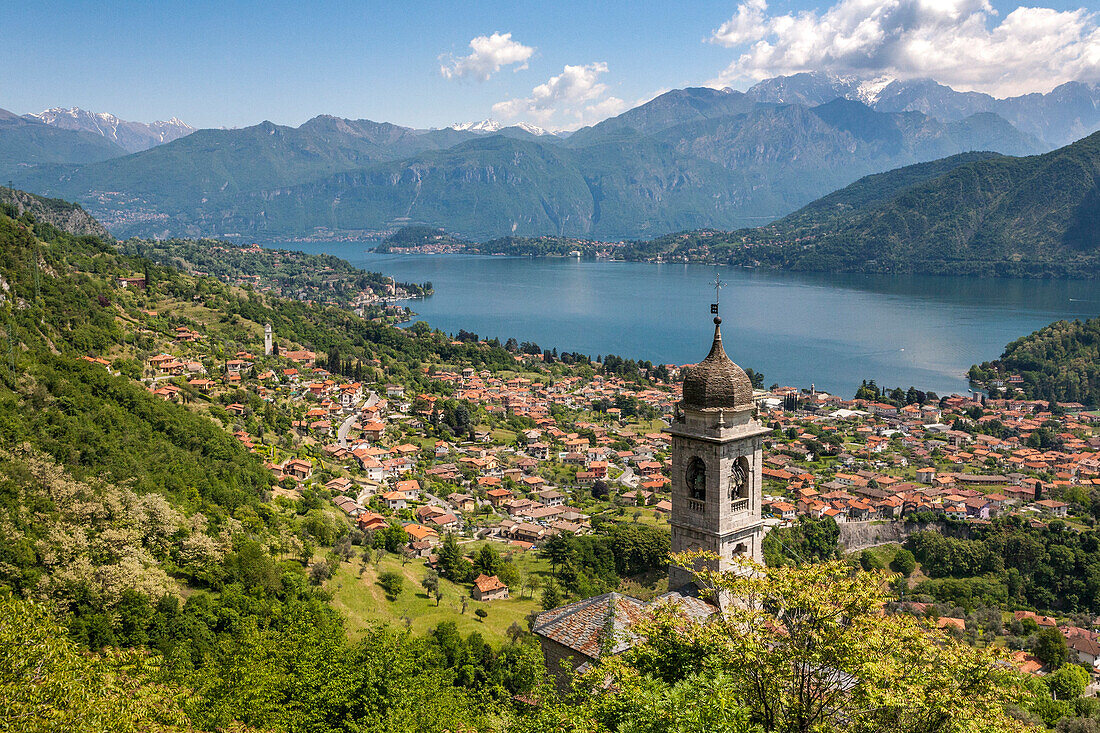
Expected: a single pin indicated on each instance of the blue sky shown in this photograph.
(231, 64)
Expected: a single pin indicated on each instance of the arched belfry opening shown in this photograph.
(696, 481)
(740, 490)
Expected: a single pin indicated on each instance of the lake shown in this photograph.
(798, 329)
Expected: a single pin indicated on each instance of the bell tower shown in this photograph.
(716, 463)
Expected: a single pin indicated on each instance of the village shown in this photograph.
(851, 460)
(513, 458)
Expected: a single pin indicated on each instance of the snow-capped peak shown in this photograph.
(869, 90)
(483, 126)
(490, 126)
(133, 136)
(533, 129)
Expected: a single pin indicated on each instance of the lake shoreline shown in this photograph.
(798, 329)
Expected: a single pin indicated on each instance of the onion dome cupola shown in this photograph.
(716, 383)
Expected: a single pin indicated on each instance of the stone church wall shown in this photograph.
(561, 661)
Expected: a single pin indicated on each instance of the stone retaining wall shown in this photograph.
(856, 536)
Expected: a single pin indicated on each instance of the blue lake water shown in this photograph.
(798, 329)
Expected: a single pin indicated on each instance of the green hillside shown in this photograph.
(968, 214)
(689, 158)
(129, 521)
(1000, 215)
(1059, 362)
(62, 214)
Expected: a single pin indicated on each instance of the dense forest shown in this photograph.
(1010, 564)
(1059, 362)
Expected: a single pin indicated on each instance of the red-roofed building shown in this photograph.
(489, 588)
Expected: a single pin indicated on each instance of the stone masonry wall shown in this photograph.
(856, 536)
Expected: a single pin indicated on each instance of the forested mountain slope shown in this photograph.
(689, 158)
(970, 214)
(144, 523)
(67, 217)
(996, 215)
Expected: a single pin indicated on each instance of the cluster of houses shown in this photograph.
(965, 458)
(893, 461)
(890, 460)
(1083, 644)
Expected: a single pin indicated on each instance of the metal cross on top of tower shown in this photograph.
(718, 285)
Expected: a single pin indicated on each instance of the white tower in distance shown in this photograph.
(267, 339)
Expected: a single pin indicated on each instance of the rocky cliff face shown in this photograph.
(61, 214)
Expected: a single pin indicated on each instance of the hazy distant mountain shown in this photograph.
(1067, 113)
(672, 108)
(25, 143)
(208, 167)
(490, 126)
(689, 158)
(132, 136)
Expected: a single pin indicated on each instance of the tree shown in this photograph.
(488, 560)
(481, 613)
(1068, 682)
(48, 684)
(393, 538)
(903, 562)
(319, 572)
(531, 583)
(392, 583)
(557, 549)
(805, 648)
(452, 564)
(551, 596)
(868, 560)
(431, 585)
(1049, 647)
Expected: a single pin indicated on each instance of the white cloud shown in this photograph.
(605, 108)
(744, 26)
(490, 53)
(957, 42)
(574, 97)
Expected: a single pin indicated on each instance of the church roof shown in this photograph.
(602, 624)
(592, 626)
(716, 382)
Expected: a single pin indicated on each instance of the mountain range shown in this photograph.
(1066, 113)
(29, 143)
(490, 126)
(978, 213)
(687, 159)
(133, 137)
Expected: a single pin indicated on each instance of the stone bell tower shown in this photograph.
(716, 462)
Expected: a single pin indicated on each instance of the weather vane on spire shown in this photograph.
(718, 285)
